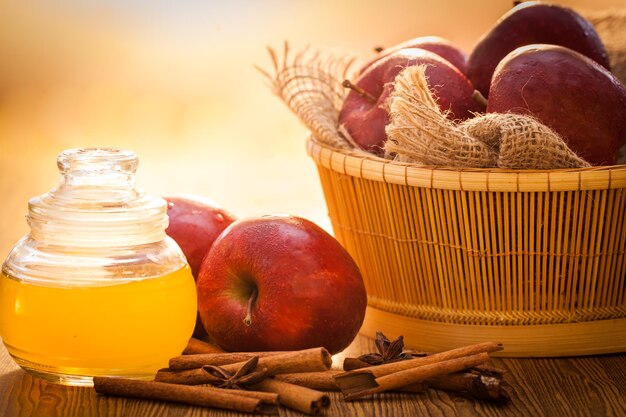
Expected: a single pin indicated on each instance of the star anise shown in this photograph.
(246, 375)
(389, 351)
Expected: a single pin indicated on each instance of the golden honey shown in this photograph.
(131, 327)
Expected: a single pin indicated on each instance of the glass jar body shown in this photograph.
(69, 330)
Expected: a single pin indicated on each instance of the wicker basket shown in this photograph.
(534, 259)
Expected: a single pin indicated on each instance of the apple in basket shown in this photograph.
(280, 283)
(574, 95)
(530, 23)
(435, 44)
(363, 116)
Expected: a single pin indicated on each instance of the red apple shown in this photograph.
(280, 283)
(195, 222)
(435, 44)
(532, 22)
(364, 115)
(572, 94)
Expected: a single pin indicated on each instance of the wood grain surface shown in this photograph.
(584, 386)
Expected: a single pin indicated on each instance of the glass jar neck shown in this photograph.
(97, 204)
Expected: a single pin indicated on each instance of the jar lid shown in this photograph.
(97, 204)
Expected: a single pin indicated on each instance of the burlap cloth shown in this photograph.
(419, 132)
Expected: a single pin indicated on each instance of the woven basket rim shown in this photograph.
(360, 164)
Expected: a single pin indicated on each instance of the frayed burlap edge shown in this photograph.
(419, 132)
(311, 87)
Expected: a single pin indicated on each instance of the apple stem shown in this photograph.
(477, 96)
(359, 91)
(248, 319)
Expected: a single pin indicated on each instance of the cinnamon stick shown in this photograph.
(186, 377)
(356, 384)
(386, 369)
(350, 364)
(235, 400)
(480, 382)
(265, 397)
(309, 360)
(303, 399)
(194, 361)
(325, 381)
(480, 386)
(321, 381)
(198, 346)
(198, 376)
(489, 369)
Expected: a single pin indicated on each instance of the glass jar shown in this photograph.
(96, 288)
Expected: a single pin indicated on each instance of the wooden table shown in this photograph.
(587, 386)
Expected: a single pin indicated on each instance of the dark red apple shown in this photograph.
(575, 96)
(532, 22)
(280, 283)
(364, 114)
(435, 44)
(194, 223)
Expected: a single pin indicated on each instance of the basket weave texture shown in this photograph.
(488, 247)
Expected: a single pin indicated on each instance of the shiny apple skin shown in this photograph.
(365, 121)
(310, 291)
(532, 22)
(194, 223)
(435, 44)
(575, 96)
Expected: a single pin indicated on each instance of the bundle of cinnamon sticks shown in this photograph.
(459, 370)
(239, 381)
(258, 382)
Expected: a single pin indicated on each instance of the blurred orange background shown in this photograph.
(176, 83)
